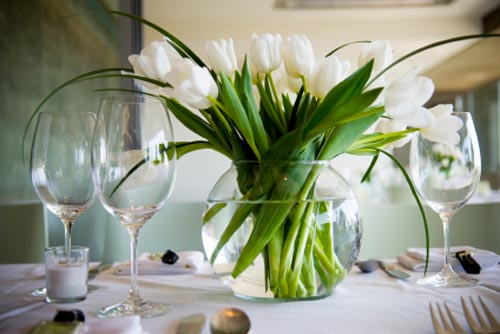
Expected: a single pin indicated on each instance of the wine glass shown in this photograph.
(133, 162)
(446, 178)
(60, 164)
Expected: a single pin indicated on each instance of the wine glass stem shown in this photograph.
(446, 220)
(68, 225)
(133, 231)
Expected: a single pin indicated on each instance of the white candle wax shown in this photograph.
(66, 281)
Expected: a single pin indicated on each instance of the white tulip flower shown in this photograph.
(385, 125)
(298, 56)
(154, 62)
(222, 57)
(192, 84)
(265, 52)
(378, 50)
(405, 97)
(328, 73)
(444, 126)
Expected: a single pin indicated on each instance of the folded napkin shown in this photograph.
(414, 258)
(123, 325)
(150, 264)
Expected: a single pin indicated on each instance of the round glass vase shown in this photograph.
(281, 230)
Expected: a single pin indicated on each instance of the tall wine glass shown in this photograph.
(60, 164)
(133, 163)
(446, 178)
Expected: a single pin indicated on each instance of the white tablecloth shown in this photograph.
(362, 303)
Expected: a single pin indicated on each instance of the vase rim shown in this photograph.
(282, 162)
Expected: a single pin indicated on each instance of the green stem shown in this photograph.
(291, 237)
(304, 84)
(307, 221)
(277, 98)
(330, 271)
(309, 275)
(221, 117)
(274, 257)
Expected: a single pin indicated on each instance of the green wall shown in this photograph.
(41, 48)
(388, 230)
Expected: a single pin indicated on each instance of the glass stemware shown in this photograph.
(60, 164)
(133, 162)
(446, 178)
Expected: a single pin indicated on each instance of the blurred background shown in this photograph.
(46, 42)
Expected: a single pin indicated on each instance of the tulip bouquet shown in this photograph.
(283, 103)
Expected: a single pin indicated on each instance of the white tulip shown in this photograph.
(222, 57)
(380, 51)
(444, 126)
(385, 125)
(298, 56)
(192, 84)
(154, 62)
(265, 52)
(405, 97)
(328, 73)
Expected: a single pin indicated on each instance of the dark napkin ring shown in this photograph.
(468, 263)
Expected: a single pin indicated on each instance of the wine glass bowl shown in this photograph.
(446, 177)
(133, 162)
(60, 164)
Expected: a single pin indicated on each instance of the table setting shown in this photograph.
(374, 302)
(282, 229)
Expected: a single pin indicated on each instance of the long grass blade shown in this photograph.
(55, 91)
(181, 46)
(427, 47)
(417, 199)
(343, 46)
(366, 176)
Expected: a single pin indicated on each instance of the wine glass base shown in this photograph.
(447, 279)
(143, 309)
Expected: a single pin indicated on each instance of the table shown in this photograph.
(362, 303)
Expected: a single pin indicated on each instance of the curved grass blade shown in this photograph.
(56, 90)
(183, 47)
(162, 151)
(417, 199)
(366, 176)
(430, 46)
(129, 173)
(130, 76)
(343, 46)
